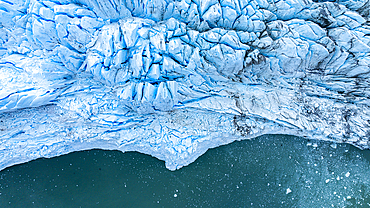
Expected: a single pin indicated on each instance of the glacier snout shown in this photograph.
(174, 78)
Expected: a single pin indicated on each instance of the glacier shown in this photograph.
(174, 78)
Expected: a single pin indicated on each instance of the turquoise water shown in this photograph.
(269, 171)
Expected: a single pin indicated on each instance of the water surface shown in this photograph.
(269, 171)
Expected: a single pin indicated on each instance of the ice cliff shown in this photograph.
(174, 78)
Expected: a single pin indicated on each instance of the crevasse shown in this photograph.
(175, 78)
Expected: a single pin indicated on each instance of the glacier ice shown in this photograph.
(174, 78)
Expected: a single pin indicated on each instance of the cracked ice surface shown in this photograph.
(174, 78)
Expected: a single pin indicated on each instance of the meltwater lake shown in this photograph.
(268, 171)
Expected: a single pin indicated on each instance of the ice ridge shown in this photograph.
(175, 78)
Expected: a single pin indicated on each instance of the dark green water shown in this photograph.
(269, 171)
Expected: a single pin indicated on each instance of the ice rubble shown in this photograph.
(174, 78)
